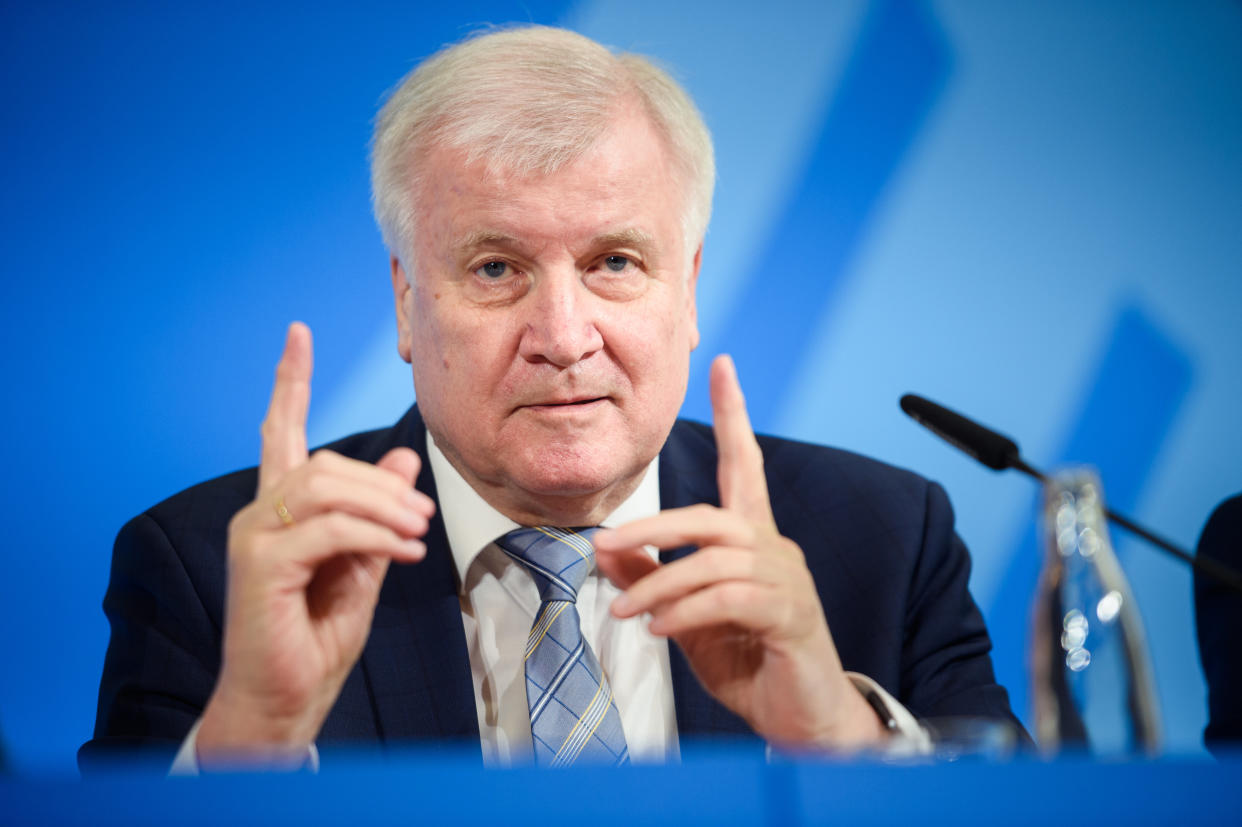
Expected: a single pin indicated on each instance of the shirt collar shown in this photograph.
(471, 524)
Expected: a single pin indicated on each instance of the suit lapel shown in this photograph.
(687, 477)
(415, 661)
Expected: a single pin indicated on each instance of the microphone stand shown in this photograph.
(999, 452)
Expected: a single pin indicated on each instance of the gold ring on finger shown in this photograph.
(282, 511)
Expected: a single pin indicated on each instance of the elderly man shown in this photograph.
(545, 204)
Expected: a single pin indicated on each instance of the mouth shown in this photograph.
(567, 405)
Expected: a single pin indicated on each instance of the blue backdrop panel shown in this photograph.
(898, 65)
(1029, 211)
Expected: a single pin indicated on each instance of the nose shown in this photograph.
(560, 320)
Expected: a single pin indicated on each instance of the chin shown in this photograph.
(566, 482)
(570, 471)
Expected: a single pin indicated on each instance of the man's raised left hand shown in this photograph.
(743, 608)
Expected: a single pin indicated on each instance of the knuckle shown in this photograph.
(241, 540)
(243, 522)
(730, 598)
(700, 510)
(786, 615)
(316, 486)
(336, 527)
(238, 521)
(793, 550)
(712, 558)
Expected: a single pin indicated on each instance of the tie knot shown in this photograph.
(558, 558)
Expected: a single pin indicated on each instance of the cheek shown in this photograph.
(425, 329)
(435, 349)
(658, 349)
(458, 353)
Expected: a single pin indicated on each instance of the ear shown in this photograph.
(692, 282)
(403, 299)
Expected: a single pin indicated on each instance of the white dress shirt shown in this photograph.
(499, 600)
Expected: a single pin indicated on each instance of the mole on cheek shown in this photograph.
(436, 296)
(446, 364)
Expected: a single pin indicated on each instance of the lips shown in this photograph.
(578, 402)
(563, 403)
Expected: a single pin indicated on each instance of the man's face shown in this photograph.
(550, 322)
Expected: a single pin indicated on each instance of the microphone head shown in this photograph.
(994, 450)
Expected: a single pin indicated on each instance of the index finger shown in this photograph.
(739, 469)
(284, 428)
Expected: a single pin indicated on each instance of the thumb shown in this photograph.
(403, 462)
(625, 567)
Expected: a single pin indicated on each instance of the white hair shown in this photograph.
(528, 100)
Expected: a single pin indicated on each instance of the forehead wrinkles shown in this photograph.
(599, 197)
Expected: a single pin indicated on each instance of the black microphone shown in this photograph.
(994, 450)
(999, 452)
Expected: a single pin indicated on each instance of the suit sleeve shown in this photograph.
(163, 655)
(946, 669)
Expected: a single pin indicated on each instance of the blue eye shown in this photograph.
(616, 263)
(493, 270)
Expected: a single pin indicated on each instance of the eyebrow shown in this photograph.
(484, 238)
(629, 236)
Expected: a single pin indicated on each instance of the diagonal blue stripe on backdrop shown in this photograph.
(1139, 387)
(893, 78)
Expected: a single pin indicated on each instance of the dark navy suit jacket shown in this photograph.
(1218, 622)
(891, 573)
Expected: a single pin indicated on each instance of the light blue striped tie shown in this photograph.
(572, 714)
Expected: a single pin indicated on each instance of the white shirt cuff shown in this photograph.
(908, 738)
(186, 762)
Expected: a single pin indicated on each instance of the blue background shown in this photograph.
(1029, 211)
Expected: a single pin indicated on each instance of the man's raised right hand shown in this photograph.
(302, 585)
